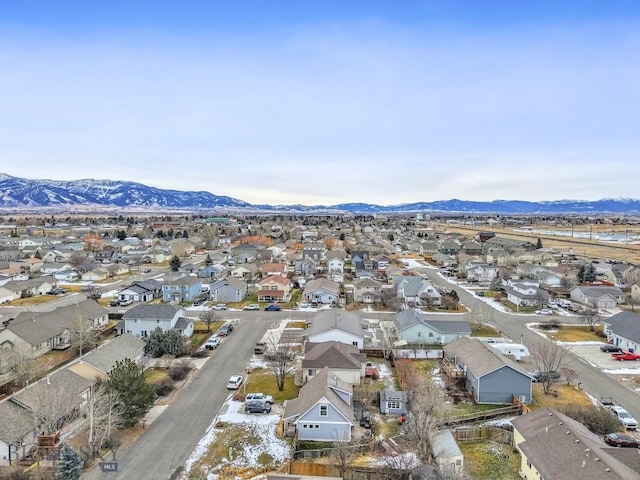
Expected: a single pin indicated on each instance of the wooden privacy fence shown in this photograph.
(482, 416)
(298, 467)
(483, 434)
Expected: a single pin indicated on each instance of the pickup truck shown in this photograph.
(258, 397)
(626, 356)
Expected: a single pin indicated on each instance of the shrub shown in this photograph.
(180, 370)
(598, 420)
(196, 353)
(164, 387)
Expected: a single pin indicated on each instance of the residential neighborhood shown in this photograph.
(354, 324)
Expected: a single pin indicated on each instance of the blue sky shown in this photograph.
(326, 102)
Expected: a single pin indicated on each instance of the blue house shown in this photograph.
(489, 376)
(182, 289)
(323, 410)
(228, 290)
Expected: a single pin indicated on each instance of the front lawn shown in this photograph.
(567, 395)
(263, 380)
(483, 330)
(155, 375)
(575, 333)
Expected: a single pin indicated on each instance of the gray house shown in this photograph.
(413, 326)
(623, 330)
(228, 290)
(143, 319)
(323, 410)
(489, 376)
(337, 325)
(183, 289)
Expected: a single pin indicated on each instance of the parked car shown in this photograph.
(57, 291)
(234, 382)
(258, 397)
(114, 303)
(199, 301)
(253, 306)
(610, 349)
(212, 343)
(272, 308)
(624, 417)
(538, 376)
(304, 305)
(125, 302)
(544, 311)
(621, 440)
(626, 356)
(259, 348)
(257, 406)
(226, 329)
(220, 306)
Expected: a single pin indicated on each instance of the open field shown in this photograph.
(591, 249)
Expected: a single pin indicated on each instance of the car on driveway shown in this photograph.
(272, 308)
(258, 397)
(220, 306)
(212, 343)
(544, 311)
(226, 329)
(610, 348)
(253, 306)
(621, 440)
(624, 417)
(257, 406)
(626, 356)
(234, 382)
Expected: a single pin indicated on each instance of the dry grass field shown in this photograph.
(580, 246)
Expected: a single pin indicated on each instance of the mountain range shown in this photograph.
(20, 193)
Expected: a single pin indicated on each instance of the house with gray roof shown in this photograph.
(323, 410)
(344, 360)
(598, 296)
(393, 402)
(321, 291)
(35, 333)
(143, 319)
(490, 377)
(414, 290)
(181, 289)
(417, 327)
(228, 289)
(141, 291)
(623, 330)
(336, 324)
(553, 445)
(366, 290)
(100, 361)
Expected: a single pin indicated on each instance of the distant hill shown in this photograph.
(19, 193)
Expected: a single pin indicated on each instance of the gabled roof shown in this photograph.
(334, 318)
(231, 281)
(366, 282)
(599, 291)
(559, 446)
(322, 284)
(322, 385)
(106, 355)
(186, 280)
(479, 357)
(275, 279)
(63, 383)
(410, 317)
(625, 324)
(152, 311)
(332, 354)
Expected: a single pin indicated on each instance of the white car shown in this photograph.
(253, 306)
(544, 311)
(624, 417)
(212, 343)
(234, 382)
(304, 305)
(220, 306)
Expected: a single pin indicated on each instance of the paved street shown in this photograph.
(169, 441)
(594, 381)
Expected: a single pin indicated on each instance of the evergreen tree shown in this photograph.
(208, 261)
(342, 237)
(172, 343)
(590, 273)
(581, 273)
(135, 396)
(539, 244)
(390, 237)
(70, 464)
(154, 344)
(185, 234)
(121, 234)
(175, 263)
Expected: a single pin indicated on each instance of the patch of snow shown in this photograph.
(622, 371)
(264, 425)
(586, 342)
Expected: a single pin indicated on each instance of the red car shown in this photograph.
(621, 440)
(626, 356)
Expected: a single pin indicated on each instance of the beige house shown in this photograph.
(275, 289)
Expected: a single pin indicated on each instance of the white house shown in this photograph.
(141, 320)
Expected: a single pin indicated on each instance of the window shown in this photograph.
(459, 462)
(393, 404)
(324, 410)
(431, 334)
(312, 372)
(528, 464)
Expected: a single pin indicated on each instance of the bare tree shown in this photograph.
(428, 408)
(103, 416)
(25, 368)
(569, 374)
(343, 452)
(591, 317)
(208, 317)
(281, 358)
(83, 334)
(548, 357)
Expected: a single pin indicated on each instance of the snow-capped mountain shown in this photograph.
(24, 193)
